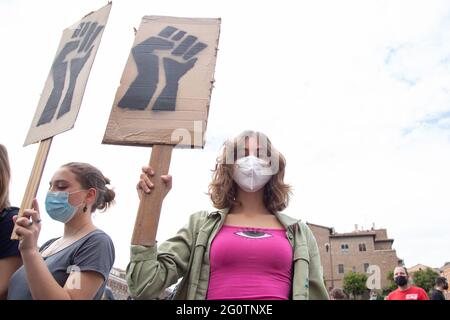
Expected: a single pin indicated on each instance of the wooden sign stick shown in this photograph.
(147, 219)
(34, 180)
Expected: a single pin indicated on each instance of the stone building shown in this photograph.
(354, 251)
(118, 284)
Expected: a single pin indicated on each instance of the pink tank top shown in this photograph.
(251, 264)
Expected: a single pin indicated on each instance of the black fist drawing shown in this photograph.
(81, 41)
(182, 59)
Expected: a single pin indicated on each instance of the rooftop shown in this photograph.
(353, 234)
(319, 226)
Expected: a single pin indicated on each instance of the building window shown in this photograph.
(362, 247)
(366, 266)
(344, 247)
(353, 269)
(327, 247)
(341, 268)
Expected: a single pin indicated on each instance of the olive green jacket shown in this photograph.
(186, 255)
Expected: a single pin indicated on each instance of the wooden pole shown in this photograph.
(34, 180)
(147, 219)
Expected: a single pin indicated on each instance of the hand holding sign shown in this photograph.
(145, 184)
(28, 228)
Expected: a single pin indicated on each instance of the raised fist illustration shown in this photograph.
(81, 41)
(180, 61)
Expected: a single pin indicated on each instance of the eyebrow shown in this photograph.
(57, 181)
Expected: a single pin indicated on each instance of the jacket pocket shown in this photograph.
(301, 253)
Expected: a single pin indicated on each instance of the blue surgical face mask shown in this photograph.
(58, 206)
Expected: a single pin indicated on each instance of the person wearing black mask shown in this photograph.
(438, 291)
(405, 291)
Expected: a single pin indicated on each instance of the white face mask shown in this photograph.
(252, 173)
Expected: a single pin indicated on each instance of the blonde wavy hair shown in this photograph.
(223, 189)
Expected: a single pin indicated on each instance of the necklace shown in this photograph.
(60, 244)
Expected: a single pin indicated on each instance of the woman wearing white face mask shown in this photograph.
(247, 249)
(76, 265)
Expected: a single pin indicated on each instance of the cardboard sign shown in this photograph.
(61, 99)
(165, 90)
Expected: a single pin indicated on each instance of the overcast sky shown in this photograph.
(355, 94)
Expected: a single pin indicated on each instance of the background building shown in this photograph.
(354, 251)
(419, 267)
(118, 284)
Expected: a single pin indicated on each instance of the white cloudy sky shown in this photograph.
(355, 94)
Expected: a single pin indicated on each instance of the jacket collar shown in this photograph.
(285, 220)
(222, 212)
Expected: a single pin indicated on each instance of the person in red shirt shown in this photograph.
(405, 291)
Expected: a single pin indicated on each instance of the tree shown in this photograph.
(391, 283)
(425, 279)
(355, 283)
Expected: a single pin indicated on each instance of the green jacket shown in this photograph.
(186, 255)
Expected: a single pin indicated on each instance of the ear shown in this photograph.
(91, 196)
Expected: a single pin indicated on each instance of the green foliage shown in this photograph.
(391, 283)
(425, 279)
(355, 283)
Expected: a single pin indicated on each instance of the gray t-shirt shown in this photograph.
(93, 252)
